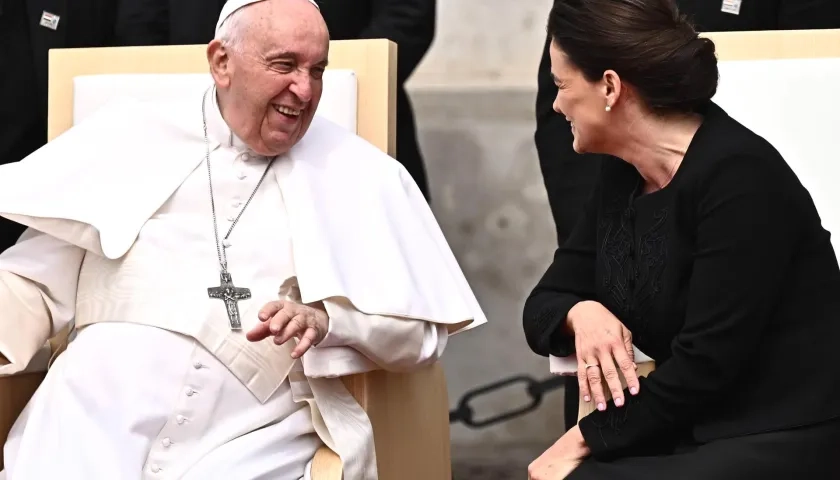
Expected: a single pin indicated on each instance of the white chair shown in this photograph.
(785, 95)
(91, 92)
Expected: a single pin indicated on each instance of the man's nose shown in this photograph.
(302, 86)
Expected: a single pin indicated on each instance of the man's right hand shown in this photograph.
(604, 346)
(284, 319)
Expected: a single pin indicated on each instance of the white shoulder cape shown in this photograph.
(361, 229)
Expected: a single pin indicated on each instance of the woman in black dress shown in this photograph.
(701, 247)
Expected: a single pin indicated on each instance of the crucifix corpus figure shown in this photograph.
(231, 295)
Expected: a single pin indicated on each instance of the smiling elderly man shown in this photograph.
(225, 259)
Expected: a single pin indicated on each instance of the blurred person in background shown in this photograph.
(28, 30)
(408, 23)
(569, 176)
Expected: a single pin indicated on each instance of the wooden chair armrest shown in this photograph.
(15, 392)
(326, 465)
(586, 408)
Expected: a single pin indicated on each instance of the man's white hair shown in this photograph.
(230, 33)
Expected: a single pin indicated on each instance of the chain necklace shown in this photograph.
(226, 291)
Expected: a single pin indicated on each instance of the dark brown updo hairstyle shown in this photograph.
(647, 42)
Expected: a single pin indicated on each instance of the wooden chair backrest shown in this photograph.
(775, 44)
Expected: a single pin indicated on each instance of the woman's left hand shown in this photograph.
(560, 459)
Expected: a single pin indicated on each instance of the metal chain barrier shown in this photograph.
(536, 389)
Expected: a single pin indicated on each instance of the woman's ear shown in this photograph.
(612, 88)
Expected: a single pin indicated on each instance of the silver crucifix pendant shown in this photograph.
(231, 295)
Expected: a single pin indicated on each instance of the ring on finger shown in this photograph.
(590, 365)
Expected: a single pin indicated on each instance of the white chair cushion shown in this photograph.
(790, 103)
(91, 92)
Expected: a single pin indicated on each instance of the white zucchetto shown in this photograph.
(234, 5)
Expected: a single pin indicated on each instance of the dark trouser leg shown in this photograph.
(408, 147)
(569, 178)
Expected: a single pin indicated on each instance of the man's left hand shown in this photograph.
(284, 319)
(561, 459)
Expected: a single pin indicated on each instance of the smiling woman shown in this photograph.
(699, 246)
(670, 68)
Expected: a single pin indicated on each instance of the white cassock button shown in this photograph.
(237, 204)
(226, 243)
(166, 442)
(155, 468)
(198, 365)
(180, 419)
(231, 218)
(242, 175)
(190, 392)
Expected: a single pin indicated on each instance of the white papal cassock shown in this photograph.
(155, 381)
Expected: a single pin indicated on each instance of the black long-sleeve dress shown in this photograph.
(728, 280)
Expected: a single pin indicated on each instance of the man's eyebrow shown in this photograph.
(285, 54)
(278, 54)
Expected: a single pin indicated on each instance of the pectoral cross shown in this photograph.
(231, 295)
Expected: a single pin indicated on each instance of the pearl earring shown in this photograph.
(608, 108)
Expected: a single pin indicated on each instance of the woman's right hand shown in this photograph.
(604, 346)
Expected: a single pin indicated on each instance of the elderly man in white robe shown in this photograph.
(224, 260)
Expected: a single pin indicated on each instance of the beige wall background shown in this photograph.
(474, 101)
(484, 43)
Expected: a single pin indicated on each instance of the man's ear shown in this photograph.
(219, 61)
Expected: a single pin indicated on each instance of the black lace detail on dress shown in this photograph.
(614, 417)
(616, 253)
(539, 332)
(653, 253)
(632, 275)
